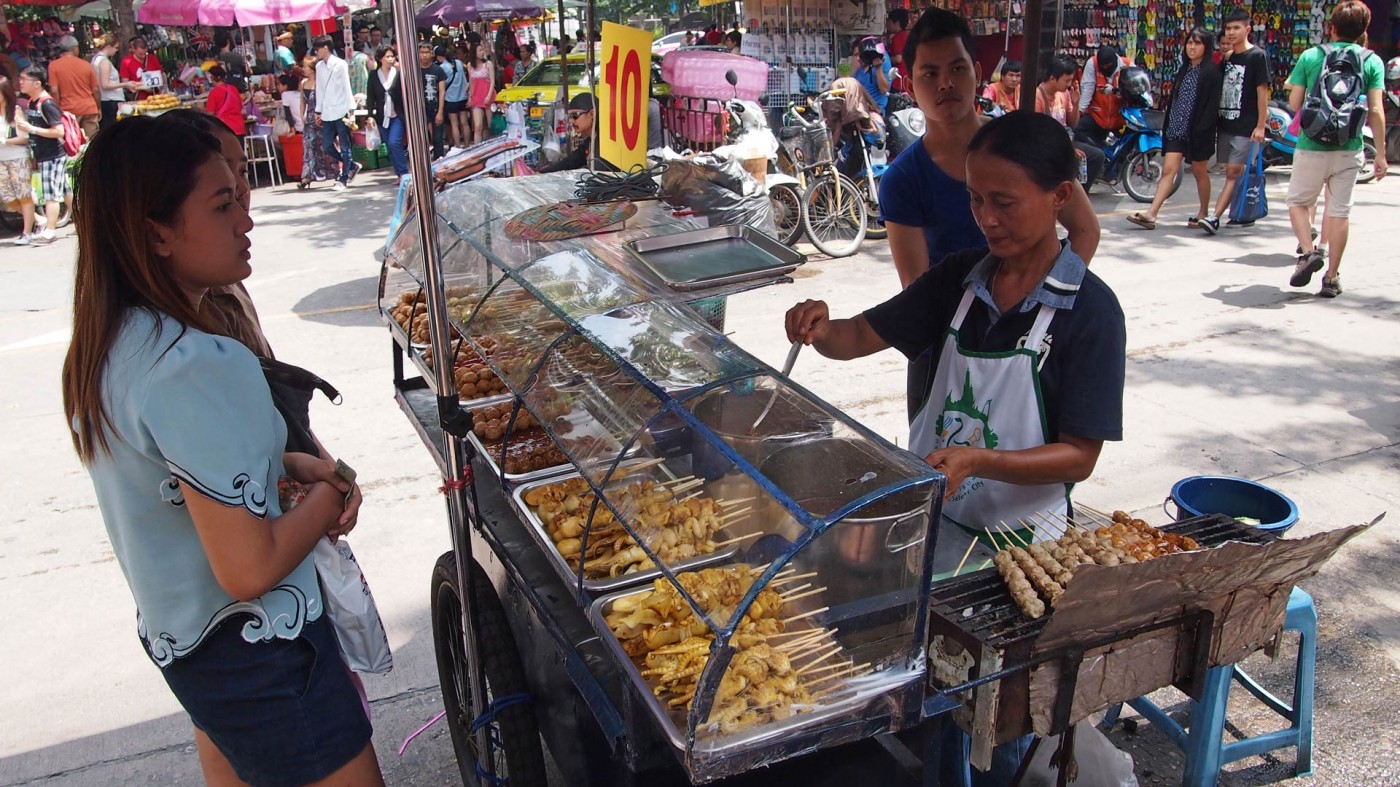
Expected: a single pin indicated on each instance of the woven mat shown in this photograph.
(563, 220)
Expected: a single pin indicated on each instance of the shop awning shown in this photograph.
(245, 13)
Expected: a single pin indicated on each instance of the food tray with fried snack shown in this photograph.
(788, 669)
(531, 453)
(688, 523)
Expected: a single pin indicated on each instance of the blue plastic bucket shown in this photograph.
(1235, 497)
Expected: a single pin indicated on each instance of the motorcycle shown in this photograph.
(784, 191)
(1133, 155)
(1392, 110)
(1281, 141)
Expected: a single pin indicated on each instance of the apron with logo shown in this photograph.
(989, 400)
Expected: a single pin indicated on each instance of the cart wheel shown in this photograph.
(515, 737)
(833, 216)
(787, 212)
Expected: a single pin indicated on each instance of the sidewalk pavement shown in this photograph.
(1230, 371)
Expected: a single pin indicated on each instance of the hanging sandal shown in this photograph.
(1143, 221)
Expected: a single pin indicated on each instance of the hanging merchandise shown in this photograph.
(797, 42)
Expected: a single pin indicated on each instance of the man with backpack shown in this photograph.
(1333, 89)
(43, 122)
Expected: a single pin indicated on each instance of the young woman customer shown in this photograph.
(185, 448)
(109, 82)
(385, 103)
(16, 192)
(1190, 129)
(482, 92)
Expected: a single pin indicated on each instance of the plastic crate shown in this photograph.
(371, 159)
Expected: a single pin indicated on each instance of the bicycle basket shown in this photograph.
(805, 147)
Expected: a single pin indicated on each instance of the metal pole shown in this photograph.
(1030, 58)
(590, 60)
(415, 114)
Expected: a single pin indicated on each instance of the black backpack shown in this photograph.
(1335, 107)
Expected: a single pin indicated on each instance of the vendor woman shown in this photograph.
(1030, 344)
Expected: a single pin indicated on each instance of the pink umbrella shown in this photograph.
(278, 12)
(176, 13)
(218, 13)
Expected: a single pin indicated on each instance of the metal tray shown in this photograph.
(673, 722)
(705, 258)
(584, 426)
(610, 584)
(515, 478)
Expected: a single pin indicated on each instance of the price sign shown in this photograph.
(621, 121)
(152, 79)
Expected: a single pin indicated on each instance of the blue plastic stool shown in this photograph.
(1205, 751)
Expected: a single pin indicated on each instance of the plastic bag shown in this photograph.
(358, 628)
(372, 139)
(719, 190)
(1250, 202)
(1100, 763)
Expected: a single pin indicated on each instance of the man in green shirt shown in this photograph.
(1316, 165)
(285, 59)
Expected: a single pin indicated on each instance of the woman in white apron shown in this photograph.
(1030, 348)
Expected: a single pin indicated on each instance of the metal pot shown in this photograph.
(811, 471)
(730, 415)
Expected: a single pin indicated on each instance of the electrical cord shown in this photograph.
(637, 183)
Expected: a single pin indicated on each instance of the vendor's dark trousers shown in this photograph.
(1094, 161)
(394, 138)
(331, 131)
(955, 759)
(1090, 133)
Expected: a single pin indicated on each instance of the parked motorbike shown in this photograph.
(1281, 141)
(784, 191)
(1392, 110)
(1133, 154)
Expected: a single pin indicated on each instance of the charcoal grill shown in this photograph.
(983, 648)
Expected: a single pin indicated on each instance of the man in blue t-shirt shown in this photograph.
(924, 201)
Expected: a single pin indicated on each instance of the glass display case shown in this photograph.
(755, 560)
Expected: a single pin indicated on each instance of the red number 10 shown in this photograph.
(630, 105)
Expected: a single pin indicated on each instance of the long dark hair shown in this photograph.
(1207, 40)
(1033, 141)
(136, 171)
(11, 99)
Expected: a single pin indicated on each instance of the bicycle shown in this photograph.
(833, 213)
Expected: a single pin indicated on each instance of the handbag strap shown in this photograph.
(299, 378)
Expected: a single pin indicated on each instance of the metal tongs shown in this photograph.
(787, 370)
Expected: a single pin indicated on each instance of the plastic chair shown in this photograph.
(1203, 745)
(260, 149)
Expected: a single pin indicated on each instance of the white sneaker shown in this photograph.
(40, 220)
(23, 240)
(47, 236)
(338, 186)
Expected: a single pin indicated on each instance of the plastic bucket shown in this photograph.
(1234, 497)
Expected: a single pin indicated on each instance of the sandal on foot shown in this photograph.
(1143, 221)
(1194, 221)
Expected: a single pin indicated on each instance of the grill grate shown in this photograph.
(980, 605)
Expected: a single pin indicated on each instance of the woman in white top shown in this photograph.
(108, 78)
(384, 102)
(15, 188)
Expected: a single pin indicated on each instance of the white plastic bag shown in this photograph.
(372, 140)
(358, 629)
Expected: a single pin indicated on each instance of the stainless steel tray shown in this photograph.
(515, 478)
(673, 721)
(714, 256)
(537, 529)
(583, 426)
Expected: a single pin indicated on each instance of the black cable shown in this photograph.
(637, 183)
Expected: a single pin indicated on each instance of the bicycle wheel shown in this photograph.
(787, 212)
(515, 739)
(833, 215)
(874, 228)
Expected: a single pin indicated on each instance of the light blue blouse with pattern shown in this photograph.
(190, 407)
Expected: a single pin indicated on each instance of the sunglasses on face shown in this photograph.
(576, 115)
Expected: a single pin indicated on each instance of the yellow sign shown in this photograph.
(623, 96)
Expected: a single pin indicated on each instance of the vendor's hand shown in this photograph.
(808, 322)
(957, 463)
(308, 469)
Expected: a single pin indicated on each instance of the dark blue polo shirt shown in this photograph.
(915, 192)
(1081, 377)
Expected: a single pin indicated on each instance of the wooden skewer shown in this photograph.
(785, 572)
(801, 633)
(736, 539)
(790, 599)
(848, 673)
(801, 644)
(793, 590)
(756, 570)
(630, 469)
(807, 648)
(819, 657)
(1044, 526)
(687, 486)
(845, 665)
(696, 493)
(674, 481)
(805, 615)
(995, 543)
(738, 501)
(965, 556)
(732, 514)
(1012, 534)
(793, 578)
(1068, 522)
